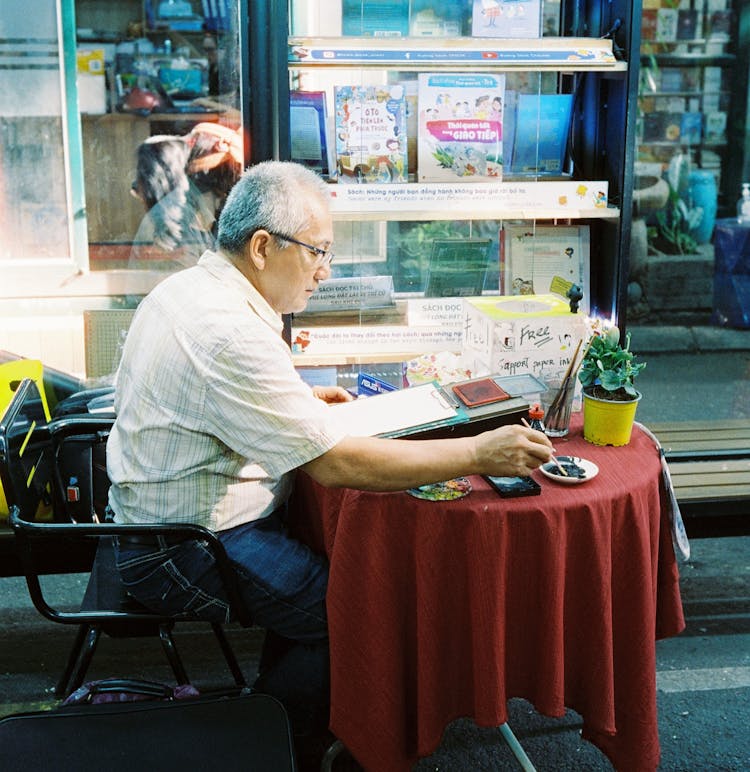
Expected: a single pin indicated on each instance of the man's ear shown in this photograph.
(256, 249)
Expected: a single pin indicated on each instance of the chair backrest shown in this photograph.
(79, 444)
(26, 451)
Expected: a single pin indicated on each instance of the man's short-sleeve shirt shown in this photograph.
(212, 417)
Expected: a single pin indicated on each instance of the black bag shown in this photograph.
(228, 732)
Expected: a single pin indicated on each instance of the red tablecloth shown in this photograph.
(439, 610)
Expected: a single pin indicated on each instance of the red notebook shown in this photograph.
(480, 392)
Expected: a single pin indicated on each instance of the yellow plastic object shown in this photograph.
(608, 423)
(11, 375)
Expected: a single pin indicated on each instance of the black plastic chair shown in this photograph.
(29, 473)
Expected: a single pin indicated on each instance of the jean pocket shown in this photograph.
(182, 579)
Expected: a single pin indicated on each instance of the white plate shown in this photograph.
(591, 469)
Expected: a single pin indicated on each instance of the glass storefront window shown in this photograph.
(35, 186)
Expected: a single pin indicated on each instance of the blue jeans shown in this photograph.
(283, 584)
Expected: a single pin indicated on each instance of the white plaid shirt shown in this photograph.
(212, 418)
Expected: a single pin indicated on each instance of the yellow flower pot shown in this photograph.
(608, 422)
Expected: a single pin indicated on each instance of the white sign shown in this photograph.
(341, 294)
(563, 199)
(431, 311)
(378, 339)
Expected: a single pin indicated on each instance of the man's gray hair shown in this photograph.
(272, 196)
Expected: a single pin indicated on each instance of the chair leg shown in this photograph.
(516, 747)
(329, 756)
(88, 648)
(229, 655)
(75, 652)
(167, 641)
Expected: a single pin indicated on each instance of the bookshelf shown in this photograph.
(587, 51)
(691, 85)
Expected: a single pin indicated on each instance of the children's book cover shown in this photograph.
(460, 127)
(506, 18)
(545, 258)
(370, 123)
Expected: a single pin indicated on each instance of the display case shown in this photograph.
(690, 89)
(462, 164)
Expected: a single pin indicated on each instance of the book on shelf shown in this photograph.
(649, 17)
(506, 18)
(671, 104)
(671, 79)
(307, 121)
(541, 128)
(457, 267)
(437, 20)
(666, 25)
(460, 127)
(710, 103)
(712, 78)
(538, 259)
(720, 26)
(371, 140)
(715, 126)
(661, 127)
(315, 19)
(687, 24)
(691, 125)
(375, 18)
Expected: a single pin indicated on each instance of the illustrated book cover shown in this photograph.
(506, 18)
(460, 127)
(545, 258)
(371, 141)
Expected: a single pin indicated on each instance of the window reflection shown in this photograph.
(151, 201)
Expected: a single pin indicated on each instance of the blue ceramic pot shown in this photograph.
(702, 192)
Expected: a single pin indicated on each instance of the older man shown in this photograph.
(212, 421)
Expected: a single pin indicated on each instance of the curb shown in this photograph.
(677, 339)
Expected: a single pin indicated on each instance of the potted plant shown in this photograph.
(610, 398)
(675, 224)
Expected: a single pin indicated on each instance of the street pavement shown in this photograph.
(703, 675)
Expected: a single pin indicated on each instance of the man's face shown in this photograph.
(291, 274)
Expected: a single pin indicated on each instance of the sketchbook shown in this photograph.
(397, 413)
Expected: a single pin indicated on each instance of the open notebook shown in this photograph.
(398, 413)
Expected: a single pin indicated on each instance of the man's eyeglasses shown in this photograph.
(324, 257)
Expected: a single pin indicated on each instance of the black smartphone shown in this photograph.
(509, 487)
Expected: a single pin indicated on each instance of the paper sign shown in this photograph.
(356, 293)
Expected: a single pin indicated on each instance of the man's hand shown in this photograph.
(332, 394)
(512, 450)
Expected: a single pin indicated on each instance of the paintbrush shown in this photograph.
(562, 469)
